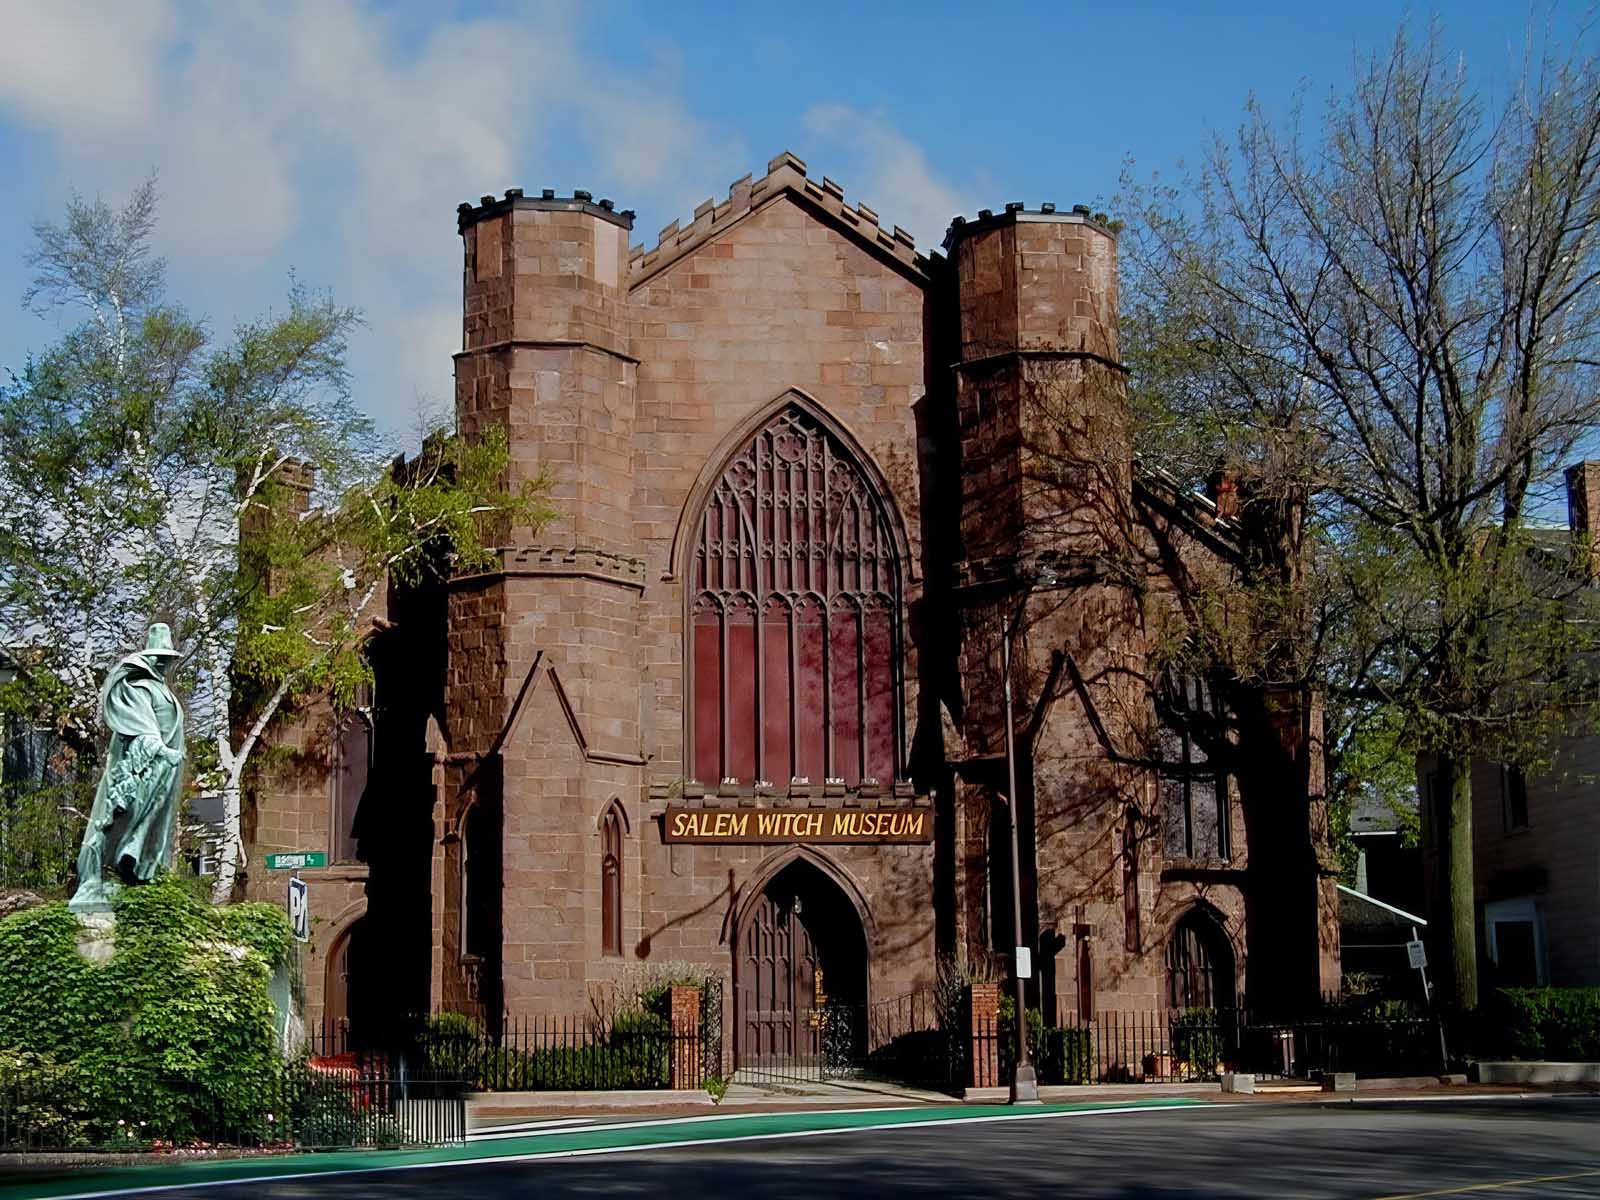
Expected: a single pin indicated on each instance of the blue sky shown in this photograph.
(335, 139)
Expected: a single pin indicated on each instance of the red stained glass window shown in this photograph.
(795, 633)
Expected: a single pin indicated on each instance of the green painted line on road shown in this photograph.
(81, 1183)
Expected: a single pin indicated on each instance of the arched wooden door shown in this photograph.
(801, 948)
(776, 984)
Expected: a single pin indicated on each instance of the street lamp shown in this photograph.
(1024, 1083)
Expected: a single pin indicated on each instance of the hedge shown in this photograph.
(1549, 1024)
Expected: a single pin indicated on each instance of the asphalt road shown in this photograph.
(1502, 1148)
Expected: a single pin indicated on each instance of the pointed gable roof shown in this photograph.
(786, 176)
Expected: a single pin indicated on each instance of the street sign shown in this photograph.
(1024, 962)
(297, 862)
(1416, 955)
(300, 909)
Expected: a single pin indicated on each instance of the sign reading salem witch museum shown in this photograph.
(808, 826)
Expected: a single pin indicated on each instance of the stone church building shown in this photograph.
(741, 705)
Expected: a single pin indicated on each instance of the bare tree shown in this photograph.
(1391, 332)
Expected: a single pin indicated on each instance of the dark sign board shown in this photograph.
(805, 826)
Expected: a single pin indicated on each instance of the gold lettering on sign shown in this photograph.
(859, 826)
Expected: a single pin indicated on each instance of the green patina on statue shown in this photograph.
(130, 825)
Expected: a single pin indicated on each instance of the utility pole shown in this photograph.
(1024, 1083)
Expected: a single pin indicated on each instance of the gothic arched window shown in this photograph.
(794, 621)
(611, 882)
(1194, 793)
(352, 763)
(1130, 879)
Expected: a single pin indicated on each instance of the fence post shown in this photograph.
(983, 1012)
(686, 1062)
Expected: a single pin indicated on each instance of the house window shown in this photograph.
(206, 857)
(611, 882)
(1513, 798)
(1194, 793)
(794, 622)
(1514, 932)
(352, 764)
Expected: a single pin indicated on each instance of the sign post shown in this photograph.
(303, 861)
(299, 908)
(1417, 956)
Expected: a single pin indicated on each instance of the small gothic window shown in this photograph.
(352, 764)
(611, 883)
(1194, 793)
(794, 625)
(1130, 880)
(1085, 980)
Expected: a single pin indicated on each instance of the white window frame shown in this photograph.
(1523, 908)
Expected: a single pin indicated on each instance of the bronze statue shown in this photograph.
(136, 804)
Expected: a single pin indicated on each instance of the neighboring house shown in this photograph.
(1380, 911)
(35, 797)
(739, 706)
(1388, 869)
(1536, 840)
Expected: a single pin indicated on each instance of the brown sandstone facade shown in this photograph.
(807, 474)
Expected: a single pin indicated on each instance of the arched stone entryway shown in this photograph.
(348, 997)
(801, 949)
(1200, 972)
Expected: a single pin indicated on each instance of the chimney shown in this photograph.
(298, 480)
(1223, 488)
(1583, 512)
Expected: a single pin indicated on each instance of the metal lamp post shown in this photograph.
(1024, 1083)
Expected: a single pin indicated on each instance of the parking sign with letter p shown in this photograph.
(300, 909)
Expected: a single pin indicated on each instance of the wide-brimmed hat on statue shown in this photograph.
(159, 641)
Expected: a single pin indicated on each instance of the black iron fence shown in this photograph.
(605, 1049)
(1200, 1045)
(903, 1040)
(340, 1101)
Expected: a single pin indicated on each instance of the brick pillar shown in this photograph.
(686, 1056)
(983, 1034)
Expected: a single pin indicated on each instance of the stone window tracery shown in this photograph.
(1194, 792)
(794, 621)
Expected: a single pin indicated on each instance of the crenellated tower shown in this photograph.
(552, 632)
(1047, 540)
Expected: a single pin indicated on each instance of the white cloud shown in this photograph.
(334, 138)
(82, 67)
(889, 171)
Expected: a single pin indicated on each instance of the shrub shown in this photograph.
(1065, 1056)
(1556, 1024)
(453, 1045)
(174, 1033)
(1197, 1041)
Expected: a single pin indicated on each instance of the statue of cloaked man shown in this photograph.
(130, 825)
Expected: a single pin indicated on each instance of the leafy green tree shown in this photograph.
(132, 451)
(1390, 331)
